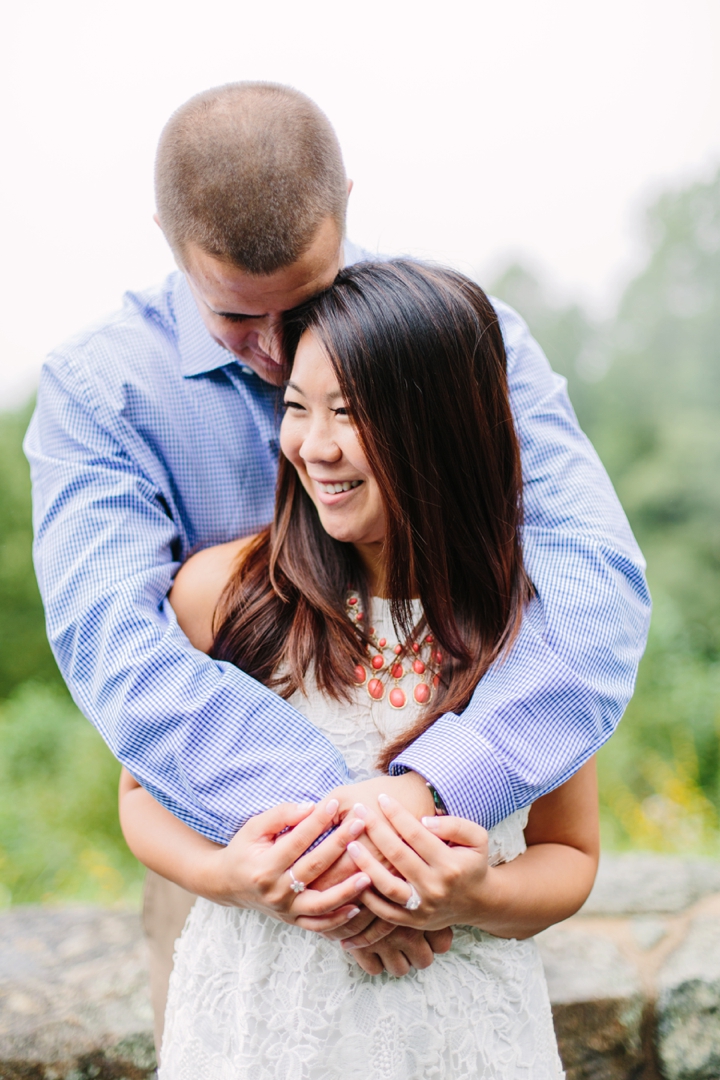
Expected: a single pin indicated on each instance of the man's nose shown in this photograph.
(268, 336)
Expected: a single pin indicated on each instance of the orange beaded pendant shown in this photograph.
(421, 693)
(376, 689)
(397, 698)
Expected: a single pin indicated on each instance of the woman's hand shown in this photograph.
(411, 791)
(454, 884)
(315, 909)
(443, 858)
(254, 869)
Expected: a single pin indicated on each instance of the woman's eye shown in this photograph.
(292, 405)
(342, 411)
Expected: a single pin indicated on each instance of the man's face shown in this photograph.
(242, 311)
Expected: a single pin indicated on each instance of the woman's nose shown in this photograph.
(319, 445)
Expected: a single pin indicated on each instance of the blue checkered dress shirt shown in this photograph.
(149, 441)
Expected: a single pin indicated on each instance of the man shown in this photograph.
(156, 434)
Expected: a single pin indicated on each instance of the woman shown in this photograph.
(389, 581)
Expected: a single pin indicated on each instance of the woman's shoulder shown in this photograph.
(198, 586)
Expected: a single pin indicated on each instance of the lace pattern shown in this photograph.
(254, 998)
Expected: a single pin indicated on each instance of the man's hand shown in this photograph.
(402, 949)
(409, 789)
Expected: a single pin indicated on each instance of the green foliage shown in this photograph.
(24, 651)
(59, 832)
(646, 388)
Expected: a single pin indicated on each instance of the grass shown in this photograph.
(59, 834)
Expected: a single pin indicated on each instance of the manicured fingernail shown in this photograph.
(331, 806)
(384, 800)
(362, 882)
(353, 849)
(303, 807)
(347, 945)
(430, 822)
(352, 913)
(356, 827)
(360, 810)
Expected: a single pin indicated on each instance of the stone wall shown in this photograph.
(634, 980)
(635, 977)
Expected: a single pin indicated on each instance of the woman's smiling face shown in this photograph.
(319, 438)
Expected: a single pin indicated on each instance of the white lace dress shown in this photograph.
(257, 999)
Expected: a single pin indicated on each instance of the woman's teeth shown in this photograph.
(335, 489)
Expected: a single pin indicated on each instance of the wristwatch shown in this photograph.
(440, 808)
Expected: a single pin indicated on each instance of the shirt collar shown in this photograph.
(199, 354)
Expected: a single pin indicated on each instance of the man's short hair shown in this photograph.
(248, 172)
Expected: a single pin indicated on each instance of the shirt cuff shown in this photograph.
(463, 769)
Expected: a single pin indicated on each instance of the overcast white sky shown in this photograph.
(474, 131)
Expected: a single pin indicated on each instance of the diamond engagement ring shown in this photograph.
(297, 886)
(413, 902)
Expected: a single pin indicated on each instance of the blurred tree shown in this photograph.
(646, 388)
(24, 651)
(59, 832)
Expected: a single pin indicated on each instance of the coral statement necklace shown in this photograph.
(422, 660)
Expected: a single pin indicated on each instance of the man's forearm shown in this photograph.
(220, 749)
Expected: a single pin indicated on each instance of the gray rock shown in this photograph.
(647, 931)
(688, 1007)
(597, 1004)
(74, 998)
(74, 1001)
(580, 966)
(646, 884)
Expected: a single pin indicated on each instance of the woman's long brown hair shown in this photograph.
(420, 360)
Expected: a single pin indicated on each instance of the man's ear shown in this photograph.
(350, 187)
(156, 219)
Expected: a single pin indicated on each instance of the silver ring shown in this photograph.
(299, 886)
(413, 902)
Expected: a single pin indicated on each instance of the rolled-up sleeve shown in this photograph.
(550, 703)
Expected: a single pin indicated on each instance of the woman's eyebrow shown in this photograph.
(333, 396)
